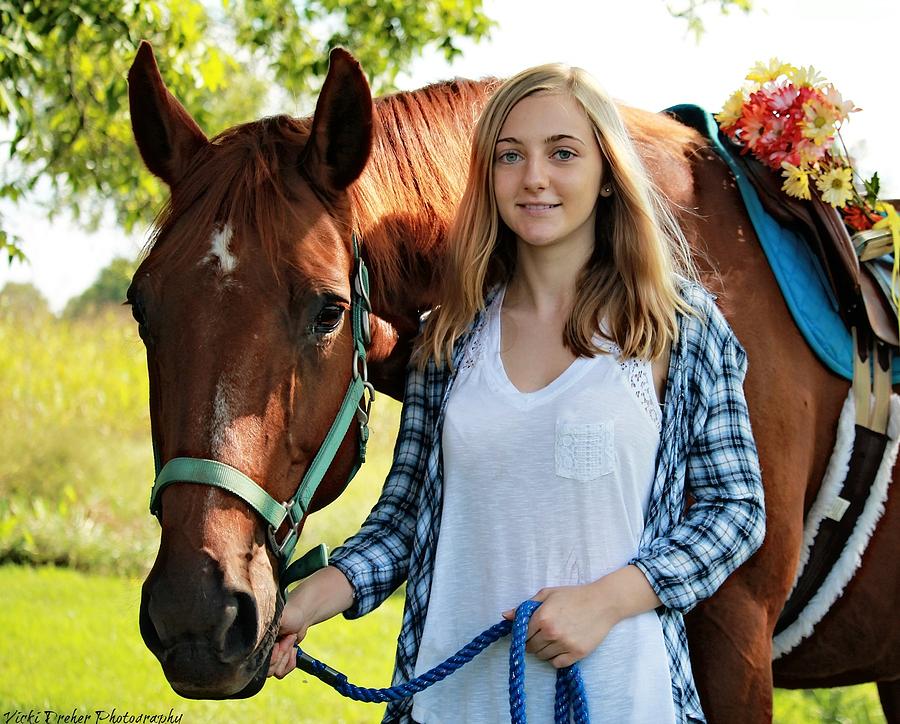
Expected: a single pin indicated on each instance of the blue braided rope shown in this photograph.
(570, 692)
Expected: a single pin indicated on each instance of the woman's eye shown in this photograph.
(508, 157)
(564, 154)
(328, 319)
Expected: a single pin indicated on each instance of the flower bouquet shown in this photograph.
(790, 119)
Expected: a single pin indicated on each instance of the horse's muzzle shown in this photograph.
(208, 650)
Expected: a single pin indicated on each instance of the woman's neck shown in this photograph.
(544, 279)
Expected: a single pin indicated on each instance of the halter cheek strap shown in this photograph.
(356, 404)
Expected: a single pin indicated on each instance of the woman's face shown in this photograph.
(547, 172)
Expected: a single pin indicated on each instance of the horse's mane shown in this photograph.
(417, 171)
(664, 145)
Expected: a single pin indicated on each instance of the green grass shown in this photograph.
(844, 705)
(77, 456)
(71, 641)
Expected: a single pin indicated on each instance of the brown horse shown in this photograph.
(240, 303)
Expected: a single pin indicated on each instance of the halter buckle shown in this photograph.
(290, 538)
(365, 403)
(357, 372)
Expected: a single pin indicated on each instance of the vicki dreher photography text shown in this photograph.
(95, 716)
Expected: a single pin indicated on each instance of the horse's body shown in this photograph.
(235, 377)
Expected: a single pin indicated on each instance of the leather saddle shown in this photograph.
(862, 290)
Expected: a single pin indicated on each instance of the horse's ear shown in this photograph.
(166, 135)
(341, 136)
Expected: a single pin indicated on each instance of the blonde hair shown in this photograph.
(631, 279)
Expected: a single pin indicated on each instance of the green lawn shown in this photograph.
(71, 642)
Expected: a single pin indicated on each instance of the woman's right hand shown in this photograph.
(317, 598)
(290, 632)
(284, 656)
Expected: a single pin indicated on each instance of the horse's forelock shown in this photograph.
(244, 179)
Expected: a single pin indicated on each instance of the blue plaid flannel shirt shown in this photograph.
(706, 450)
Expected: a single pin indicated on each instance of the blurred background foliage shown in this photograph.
(65, 133)
(63, 93)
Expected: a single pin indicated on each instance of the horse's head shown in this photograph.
(242, 305)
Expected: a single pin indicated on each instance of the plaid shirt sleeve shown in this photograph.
(726, 522)
(376, 559)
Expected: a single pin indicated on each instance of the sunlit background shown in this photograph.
(635, 48)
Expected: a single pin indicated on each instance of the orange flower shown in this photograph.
(856, 218)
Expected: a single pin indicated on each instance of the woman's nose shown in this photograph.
(535, 174)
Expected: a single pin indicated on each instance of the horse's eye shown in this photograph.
(138, 313)
(140, 316)
(328, 319)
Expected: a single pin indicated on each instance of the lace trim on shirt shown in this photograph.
(475, 348)
(637, 372)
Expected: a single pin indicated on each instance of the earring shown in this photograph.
(606, 190)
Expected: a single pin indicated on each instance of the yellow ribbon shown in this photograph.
(891, 221)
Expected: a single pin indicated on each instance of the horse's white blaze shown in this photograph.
(233, 437)
(220, 250)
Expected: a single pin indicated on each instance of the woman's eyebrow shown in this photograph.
(563, 137)
(550, 139)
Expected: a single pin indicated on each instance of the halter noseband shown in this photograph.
(356, 404)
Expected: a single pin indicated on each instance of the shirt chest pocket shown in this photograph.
(585, 450)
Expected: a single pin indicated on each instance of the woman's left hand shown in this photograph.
(571, 622)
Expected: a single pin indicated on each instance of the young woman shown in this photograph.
(569, 393)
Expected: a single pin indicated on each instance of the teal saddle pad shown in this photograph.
(799, 273)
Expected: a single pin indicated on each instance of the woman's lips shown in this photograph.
(538, 209)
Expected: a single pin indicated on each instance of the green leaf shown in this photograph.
(114, 96)
(873, 187)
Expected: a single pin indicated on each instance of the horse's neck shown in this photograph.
(406, 198)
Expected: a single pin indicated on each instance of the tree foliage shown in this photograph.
(107, 290)
(23, 302)
(63, 94)
(691, 11)
(64, 124)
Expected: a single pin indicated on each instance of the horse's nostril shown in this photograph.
(240, 637)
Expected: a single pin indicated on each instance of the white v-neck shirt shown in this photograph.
(544, 488)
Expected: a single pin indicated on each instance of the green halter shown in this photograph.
(356, 404)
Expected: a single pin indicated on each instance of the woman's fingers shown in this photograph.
(551, 650)
(562, 661)
(284, 657)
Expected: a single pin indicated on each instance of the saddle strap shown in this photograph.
(872, 393)
(871, 382)
(835, 529)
